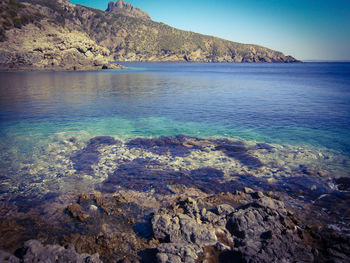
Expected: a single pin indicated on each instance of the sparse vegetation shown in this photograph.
(129, 35)
(15, 14)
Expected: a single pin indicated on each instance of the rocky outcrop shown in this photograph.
(262, 230)
(51, 47)
(131, 226)
(183, 234)
(122, 8)
(34, 251)
(46, 45)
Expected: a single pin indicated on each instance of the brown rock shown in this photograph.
(78, 212)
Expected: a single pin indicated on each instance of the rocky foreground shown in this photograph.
(174, 199)
(245, 226)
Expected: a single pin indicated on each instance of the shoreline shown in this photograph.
(108, 190)
(140, 227)
(117, 65)
(65, 69)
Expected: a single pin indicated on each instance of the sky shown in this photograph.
(305, 29)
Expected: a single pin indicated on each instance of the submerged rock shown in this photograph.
(238, 151)
(85, 158)
(175, 145)
(343, 183)
(78, 212)
(150, 175)
(264, 146)
(141, 177)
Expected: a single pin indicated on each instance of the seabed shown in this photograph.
(106, 195)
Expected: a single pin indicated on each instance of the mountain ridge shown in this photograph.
(123, 8)
(119, 34)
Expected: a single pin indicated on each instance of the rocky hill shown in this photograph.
(31, 40)
(56, 34)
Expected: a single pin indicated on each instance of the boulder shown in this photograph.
(263, 233)
(177, 252)
(8, 258)
(183, 234)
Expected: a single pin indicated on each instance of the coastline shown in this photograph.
(118, 65)
(65, 69)
(127, 202)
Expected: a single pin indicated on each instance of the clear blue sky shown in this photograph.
(305, 29)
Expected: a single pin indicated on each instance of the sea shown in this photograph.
(282, 124)
(305, 104)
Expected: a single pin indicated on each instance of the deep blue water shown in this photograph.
(304, 104)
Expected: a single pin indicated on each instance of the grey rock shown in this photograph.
(224, 209)
(177, 252)
(262, 233)
(168, 258)
(214, 219)
(193, 232)
(165, 226)
(210, 217)
(183, 229)
(190, 207)
(185, 234)
(34, 251)
(8, 258)
(271, 204)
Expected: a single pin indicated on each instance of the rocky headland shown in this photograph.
(54, 35)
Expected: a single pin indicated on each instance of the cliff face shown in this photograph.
(51, 47)
(31, 40)
(56, 34)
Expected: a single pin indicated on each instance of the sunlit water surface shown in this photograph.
(305, 106)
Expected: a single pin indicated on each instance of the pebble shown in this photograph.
(93, 208)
